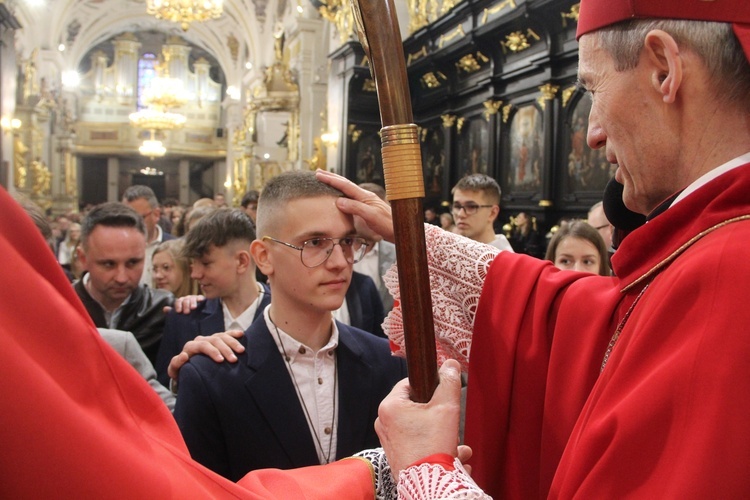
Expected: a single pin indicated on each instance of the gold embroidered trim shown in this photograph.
(685, 246)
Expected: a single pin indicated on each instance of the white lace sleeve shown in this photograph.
(432, 482)
(457, 268)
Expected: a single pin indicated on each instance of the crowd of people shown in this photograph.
(582, 383)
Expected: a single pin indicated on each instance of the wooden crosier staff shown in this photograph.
(380, 36)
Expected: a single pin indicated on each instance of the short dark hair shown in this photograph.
(286, 187)
(218, 228)
(112, 214)
(480, 182)
(138, 192)
(250, 197)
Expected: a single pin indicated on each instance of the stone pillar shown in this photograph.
(184, 176)
(308, 57)
(113, 178)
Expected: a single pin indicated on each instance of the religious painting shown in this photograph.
(369, 164)
(586, 169)
(473, 147)
(433, 160)
(526, 150)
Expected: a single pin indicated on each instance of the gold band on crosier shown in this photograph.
(402, 162)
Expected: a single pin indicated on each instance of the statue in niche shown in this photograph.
(278, 44)
(19, 163)
(30, 85)
(318, 160)
(42, 178)
(71, 181)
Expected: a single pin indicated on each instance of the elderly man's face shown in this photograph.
(630, 120)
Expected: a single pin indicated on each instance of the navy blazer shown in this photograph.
(206, 319)
(238, 417)
(365, 305)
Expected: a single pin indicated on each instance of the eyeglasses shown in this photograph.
(316, 251)
(469, 208)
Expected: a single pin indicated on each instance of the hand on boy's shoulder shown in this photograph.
(220, 347)
(186, 304)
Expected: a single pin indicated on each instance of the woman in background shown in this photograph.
(171, 271)
(578, 246)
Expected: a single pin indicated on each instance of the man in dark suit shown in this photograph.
(219, 250)
(143, 200)
(112, 251)
(362, 307)
(306, 389)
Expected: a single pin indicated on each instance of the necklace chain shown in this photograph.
(313, 427)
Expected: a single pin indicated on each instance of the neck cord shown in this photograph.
(313, 427)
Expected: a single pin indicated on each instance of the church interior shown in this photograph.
(98, 95)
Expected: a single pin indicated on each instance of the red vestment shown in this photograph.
(78, 421)
(667, 416)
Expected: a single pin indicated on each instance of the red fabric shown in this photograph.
(78, 421)
(442, 459)
(596, 14)
(667, 417)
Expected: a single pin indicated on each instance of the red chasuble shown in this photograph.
(668, 415)
(78, 421)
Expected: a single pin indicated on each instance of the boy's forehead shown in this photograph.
(315, 215)
(468, 194)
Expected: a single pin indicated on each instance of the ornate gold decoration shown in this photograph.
(458, 32)
(545, 203)
(491, 11)
(572, 14)
(448, 120)
(460, 122)
(519, 41)
(432, 80)
(424, 12)
(318, 159)
(41, 178)
(185, 11)
(354, 132)
(567, 94)
(491, 107)
(549, 92)
(19, 162)
(416, 55)
(423, 134)
(340, 14)
(506, 112)
(365, 62)
(369, 85)
(468, 64)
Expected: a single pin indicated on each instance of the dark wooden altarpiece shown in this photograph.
(493, 89)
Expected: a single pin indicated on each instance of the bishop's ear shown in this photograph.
(663, 56)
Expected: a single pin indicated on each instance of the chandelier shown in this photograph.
(165, 93)
(152, 148)
(152, 118)
(185, 11)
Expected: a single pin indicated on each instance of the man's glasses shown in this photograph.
(469, 208)
(316, 251)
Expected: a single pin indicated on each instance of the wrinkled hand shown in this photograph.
(410, 431)
(375, 212)
(220, 347)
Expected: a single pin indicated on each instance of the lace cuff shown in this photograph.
(457, 268)
(385, 486)
(431, 481)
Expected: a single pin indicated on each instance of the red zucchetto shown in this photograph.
(596, 14)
